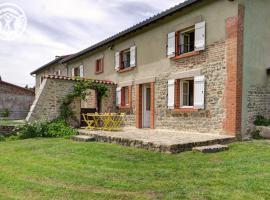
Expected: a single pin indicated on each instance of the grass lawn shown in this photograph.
(63, 169)
(6, 122)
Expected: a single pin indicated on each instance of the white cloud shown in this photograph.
(62, 27)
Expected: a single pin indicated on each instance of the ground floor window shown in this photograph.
(123, 96)
(187, 92)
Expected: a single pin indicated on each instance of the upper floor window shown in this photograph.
(99, 65)
(186, 41)
(77, 71)
(125, 59)
(57, 73)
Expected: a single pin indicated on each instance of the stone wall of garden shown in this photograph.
(50, 97)
(258, 104)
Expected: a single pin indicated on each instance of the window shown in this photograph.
(123, 96)
(189, 41)
(187, 93)
(99, 66)
(185, 41)
(125, 59)
(77, 71)
(57, 73)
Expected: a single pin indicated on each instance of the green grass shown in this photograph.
(6, 122)
(62, 169)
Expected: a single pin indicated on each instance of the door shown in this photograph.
(146, 106)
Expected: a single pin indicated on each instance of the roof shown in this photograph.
(78, 79)
(134, 28)
(57, 59)
(25, 90)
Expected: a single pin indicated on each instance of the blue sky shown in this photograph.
(59, 27)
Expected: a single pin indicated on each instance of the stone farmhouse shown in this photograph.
(199, 66)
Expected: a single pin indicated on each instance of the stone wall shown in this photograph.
(50, 96)
(258, 104)
(90, 101)
(16, 99)
(213, 65)
(109, 102)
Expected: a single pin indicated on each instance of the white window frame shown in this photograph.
(182, 94)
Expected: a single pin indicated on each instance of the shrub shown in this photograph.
(256, 135)
(27, 130)
(4, 112)
(58, 128)
(261, 121)
(2, 138)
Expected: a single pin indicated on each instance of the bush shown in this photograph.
(2, 138)
(4, 112)
(261, 121)
(58, 128)
(256, 135)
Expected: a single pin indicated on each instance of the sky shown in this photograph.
(60, 27)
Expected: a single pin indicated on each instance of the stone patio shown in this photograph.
(159, 140)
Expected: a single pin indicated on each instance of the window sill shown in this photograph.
(99, 72)
(125, 70)
(124, 107)
(184, 110)
(186, 55)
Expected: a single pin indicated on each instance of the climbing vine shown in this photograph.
(81, 88)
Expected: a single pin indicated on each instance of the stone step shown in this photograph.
(211, 149)
(83, 138)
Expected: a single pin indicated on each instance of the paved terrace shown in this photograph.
(159, 140)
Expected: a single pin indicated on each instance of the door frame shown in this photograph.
(139, 105)
(146, 124)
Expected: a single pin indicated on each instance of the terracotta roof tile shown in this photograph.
(77, 79)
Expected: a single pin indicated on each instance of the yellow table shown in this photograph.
(106, 121)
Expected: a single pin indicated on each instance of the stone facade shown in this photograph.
(52, 91)
(213, 65)
(48, 100)
(258, 104)
(16, 99)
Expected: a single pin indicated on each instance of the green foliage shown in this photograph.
(256, 135)
(58, 128)
(4, 112)
(81, 88)
(2, 138)
(261, 121)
